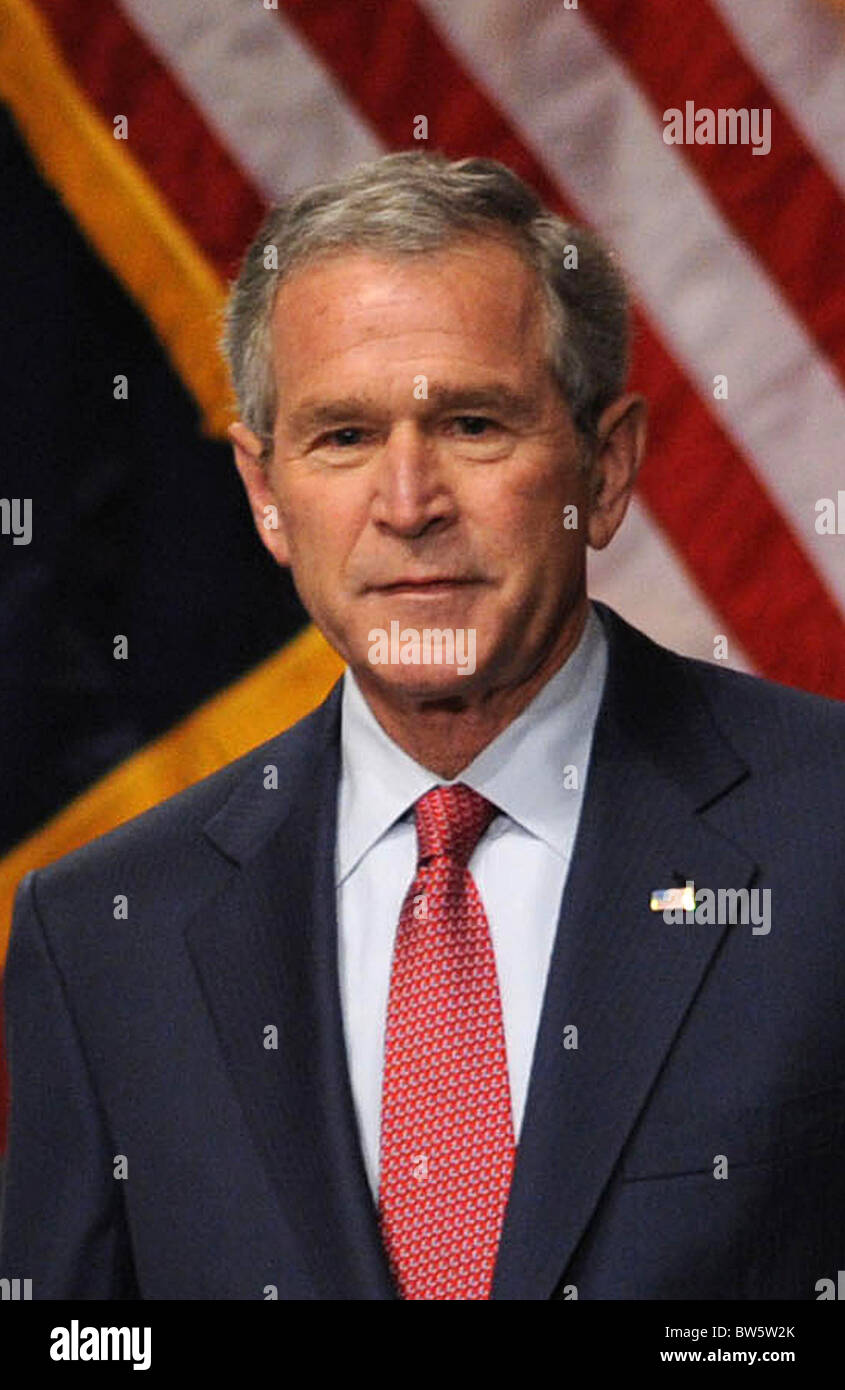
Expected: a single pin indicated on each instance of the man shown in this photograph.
(411, 1001)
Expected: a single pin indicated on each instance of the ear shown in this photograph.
(263, 502)
(621, 433)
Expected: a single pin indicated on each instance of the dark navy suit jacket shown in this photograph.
(145, 1038)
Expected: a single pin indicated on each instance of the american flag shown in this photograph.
(673, 899)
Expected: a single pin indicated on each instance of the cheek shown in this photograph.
(537, 557)
(322, 524)
(523, 528)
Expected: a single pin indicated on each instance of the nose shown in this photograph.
(412, 493)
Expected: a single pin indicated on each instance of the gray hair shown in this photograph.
(412, 202)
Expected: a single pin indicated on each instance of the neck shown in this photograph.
(444, 736)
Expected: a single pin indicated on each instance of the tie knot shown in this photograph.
(451, 821)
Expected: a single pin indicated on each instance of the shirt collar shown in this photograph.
(522, 771)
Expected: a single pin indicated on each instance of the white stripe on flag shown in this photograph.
(260, 87)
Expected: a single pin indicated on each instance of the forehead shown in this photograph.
(476, 297)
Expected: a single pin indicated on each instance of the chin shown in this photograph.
(424, 682)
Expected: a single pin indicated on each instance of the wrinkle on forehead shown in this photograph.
(384, 306)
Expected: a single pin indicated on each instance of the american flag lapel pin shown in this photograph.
(673, 899)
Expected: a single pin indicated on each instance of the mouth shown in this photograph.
(431, 587)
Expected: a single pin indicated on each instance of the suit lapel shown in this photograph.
(618, 972)
(266, 954)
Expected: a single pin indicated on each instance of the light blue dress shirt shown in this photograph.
(519, 866)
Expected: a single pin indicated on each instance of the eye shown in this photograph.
(341, 437)
(478, 438)
(476, 425)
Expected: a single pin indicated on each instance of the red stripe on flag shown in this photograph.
(122, 76)
(784, 204)
(394, 65)
(735, 542)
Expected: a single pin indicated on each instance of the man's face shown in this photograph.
(422, 463)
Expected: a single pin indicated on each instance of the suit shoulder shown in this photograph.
(751, 709)
(764, 714)
(175, 824)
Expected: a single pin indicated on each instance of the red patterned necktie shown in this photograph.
(447, 1139)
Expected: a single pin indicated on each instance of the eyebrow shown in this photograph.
(496, 397)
